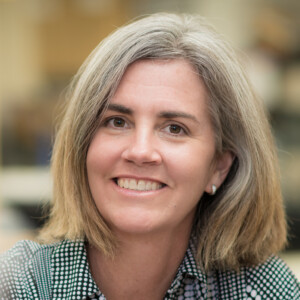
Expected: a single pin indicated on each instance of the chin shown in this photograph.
(135, 224)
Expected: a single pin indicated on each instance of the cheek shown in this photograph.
(190, 161)
(93, 160)
(101, 152)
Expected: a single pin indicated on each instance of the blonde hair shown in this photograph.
(244, 221)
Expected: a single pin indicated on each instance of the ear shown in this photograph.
(220, 171)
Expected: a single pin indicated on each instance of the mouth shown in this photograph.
(138, 184)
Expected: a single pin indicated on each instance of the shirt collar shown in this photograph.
(188, 269)
(72, 278)
(190, 265)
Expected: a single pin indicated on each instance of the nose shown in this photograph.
(142, 149)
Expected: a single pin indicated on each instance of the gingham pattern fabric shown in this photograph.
(61, 271)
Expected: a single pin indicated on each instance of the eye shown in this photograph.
(175, 129)
(116, 122)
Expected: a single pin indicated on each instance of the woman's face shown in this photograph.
(153, 155)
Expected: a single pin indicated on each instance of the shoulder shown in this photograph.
(270, 280)
(274, 279)
(22, 253)
(19, 267)
(16, 258)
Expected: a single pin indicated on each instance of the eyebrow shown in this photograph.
(177, 114)
(120, 108)
(164, 114)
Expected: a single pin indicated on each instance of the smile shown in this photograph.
(138, 185)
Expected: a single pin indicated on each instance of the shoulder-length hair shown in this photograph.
(244, 221)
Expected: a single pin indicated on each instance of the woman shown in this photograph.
(165, 178)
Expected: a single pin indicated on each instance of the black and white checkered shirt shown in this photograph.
(60, 271)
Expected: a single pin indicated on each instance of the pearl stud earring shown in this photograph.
(213, 189)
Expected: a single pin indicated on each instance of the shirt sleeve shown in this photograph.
(17, 278)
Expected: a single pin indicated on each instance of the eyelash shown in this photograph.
(182, 130)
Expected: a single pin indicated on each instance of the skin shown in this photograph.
(156, 129)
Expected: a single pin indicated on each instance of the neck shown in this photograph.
(143, 267)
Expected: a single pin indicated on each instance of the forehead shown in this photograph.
(144, 68)
(162, 78)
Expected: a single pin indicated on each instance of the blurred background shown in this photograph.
(43, 43)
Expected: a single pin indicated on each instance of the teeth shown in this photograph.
(126, 184)
(121, 182)
(148, 186)
(153, 186)
(132, 184)
(138, 185)
(141, 185)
